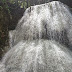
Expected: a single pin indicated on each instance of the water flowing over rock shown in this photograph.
(41, 41)
(47, 21)
(38, 56)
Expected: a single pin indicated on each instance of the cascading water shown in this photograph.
(41, 41)
(47, 21)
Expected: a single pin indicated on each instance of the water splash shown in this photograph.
(40, 39)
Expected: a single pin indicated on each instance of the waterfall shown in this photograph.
(41, 41)
(47, 21)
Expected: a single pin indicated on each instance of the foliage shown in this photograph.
(13, 4)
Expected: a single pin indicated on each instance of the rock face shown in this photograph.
(41, 40)
(3, 32)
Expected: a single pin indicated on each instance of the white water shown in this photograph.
(41, 41)
(44, 21)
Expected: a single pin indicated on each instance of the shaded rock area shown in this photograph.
(41, 41)
(67, 2)
(16, 15)
(3, 31)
